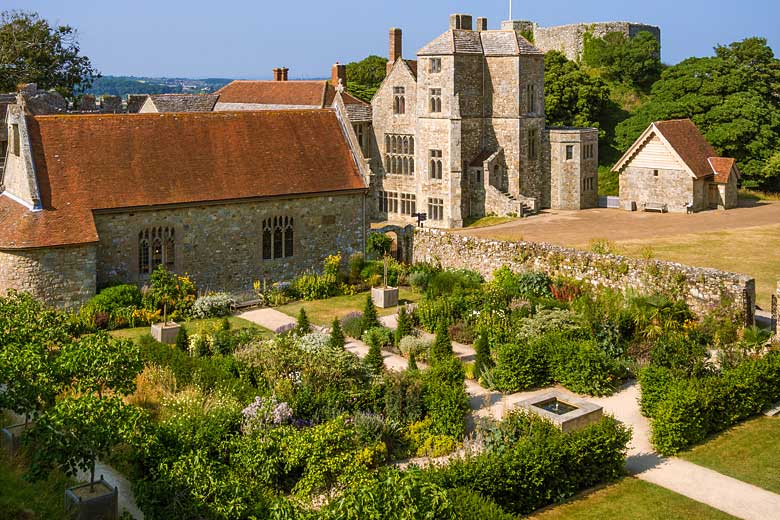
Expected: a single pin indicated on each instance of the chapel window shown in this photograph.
(278, 238)
(435, 100)
(156, 247)
(436, 165)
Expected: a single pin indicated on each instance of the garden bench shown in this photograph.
(656, 206)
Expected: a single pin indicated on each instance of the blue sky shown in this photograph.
(247, 38)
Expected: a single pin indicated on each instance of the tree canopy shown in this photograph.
(34, 51)
(634, 61)
(365, 76)
(734, 99)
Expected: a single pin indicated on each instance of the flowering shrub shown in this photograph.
(213, 306)
(419, 346)
(352, 324)
(265, 412)
(313, 342)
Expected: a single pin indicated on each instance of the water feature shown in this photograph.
(555, 406)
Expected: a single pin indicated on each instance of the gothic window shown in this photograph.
(399, 100)
(436, 165)
(278, 238)
(569, 152)
(435, 65)
(436, 209)
(156, 246)
(408, 203)
(532, 135)
(531, 97)
(435, 100)
(399, 154)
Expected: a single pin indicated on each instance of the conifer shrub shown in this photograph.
(442, 346)
(303, 326)
(336, 339)
(370, 317)
(404, 326)
(182, 339)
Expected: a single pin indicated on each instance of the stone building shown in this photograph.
(283, 94)
(570, 39)
(461, 132)
(158, 103)
(227, 197)
(672, 167)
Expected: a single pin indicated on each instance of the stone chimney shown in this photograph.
(284, 70)
(339, 74)
(461, 22)
(277, 74)
(396, 47)
(482, 24)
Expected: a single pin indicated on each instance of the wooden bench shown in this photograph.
(655, 206)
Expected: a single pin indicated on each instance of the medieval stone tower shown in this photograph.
(461, 131)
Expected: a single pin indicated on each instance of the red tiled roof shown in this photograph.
(297, 93)
(92, 162)
(722, 167)
(690, 145)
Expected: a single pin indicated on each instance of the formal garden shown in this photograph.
(234, 421)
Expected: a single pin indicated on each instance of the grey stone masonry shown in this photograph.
(702, 288)
(569, 39)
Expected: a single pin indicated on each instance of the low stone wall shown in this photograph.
(703, 289)
(63, 277)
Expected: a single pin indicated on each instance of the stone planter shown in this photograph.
(11, 437)
(86, 502)
(384, 297)
(165, 332)
(567, 412)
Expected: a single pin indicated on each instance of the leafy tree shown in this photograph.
(77, 431)
(572, 97)
(364, 77)
(733, 99)
(633, 61)
(99, 363)
(33, 51)
(303, 326)
(336, 339)
(370, 317)
(379, 244)
(442, 346)
(404, 325)
(183, 339)
(165, 289)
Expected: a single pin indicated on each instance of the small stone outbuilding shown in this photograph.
(672, 167)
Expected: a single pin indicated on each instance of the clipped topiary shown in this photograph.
(303, 326)
(182, 339)
(370, 318)
(442, 346)
(336, 339)
(373, 360)
(404, 327)
(482, 359)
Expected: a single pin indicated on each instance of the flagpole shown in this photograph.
(510, 10)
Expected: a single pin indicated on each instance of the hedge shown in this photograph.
(542, 466)
(686, 411)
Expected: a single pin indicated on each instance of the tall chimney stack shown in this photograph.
(277, 74)
(339, 74)
(285, 70)
(460, 22)
(396, 47)
(482, 24)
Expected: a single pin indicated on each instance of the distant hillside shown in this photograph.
(124, 85)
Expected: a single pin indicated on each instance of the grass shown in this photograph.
(491, 220)
(22, 499)
(193, 327)
(756, 195)
(633, 499)
(745, 250)
(749, 452)
(322, 312)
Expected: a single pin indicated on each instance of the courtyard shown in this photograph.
(738, 240)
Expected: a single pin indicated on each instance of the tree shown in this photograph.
(442, 346)
(336, 339)
(33, 51)
(373, 360)
(364, 77)
(164, 289)
(98, 363)
(370, 317)
(482, 359)
(79, 430)
(634, 61)
(183, 339)
(733, 99)
(404, 325)
(303, 326)
(379, 244)
(571, 96)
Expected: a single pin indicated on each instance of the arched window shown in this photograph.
(411, 145)
(406, 166)
(406, 145)
(278, 238)
(411, 166)
(156, 246)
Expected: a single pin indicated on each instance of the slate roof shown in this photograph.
(86, 163)
(489, 43)
(184, 102)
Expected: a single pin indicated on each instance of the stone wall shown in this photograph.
(62, 277)
(219, 245)
(675, 188)
(702, 288)
(569, 38)
(568, 187)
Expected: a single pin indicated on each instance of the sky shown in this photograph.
(248, 38)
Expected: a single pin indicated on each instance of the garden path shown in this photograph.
(268, 318)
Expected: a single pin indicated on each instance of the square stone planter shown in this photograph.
(384, 297)
(567, 412)
(85, 502)
(165, 332)
(11, 437)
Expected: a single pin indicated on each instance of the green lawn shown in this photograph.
(193, 327)
(487, 221)
(22, 499)
(322, 312)
(749, 452)
(631, 499)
